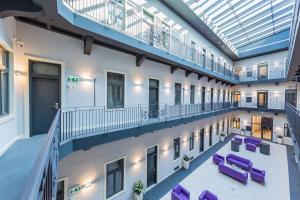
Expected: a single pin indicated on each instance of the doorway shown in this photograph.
(43, 105)
(262, 99)
(151, 166)
(201, 142)
(236, 98)
(262, 73)
(203, 99)
(210, 135)
(153, 98)
(262, 127)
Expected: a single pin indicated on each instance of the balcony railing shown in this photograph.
(293, 116)
(42, 183)
(83, 122)
(111, 13)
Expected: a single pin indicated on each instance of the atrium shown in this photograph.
(149, 99)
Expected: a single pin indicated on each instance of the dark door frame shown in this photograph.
(258, 68)
(201, 140)
(31, 76)
(158, 91)
(261, 131)
(267, 98)
(157, 159)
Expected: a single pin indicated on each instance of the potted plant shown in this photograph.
(279, 139)
(222, 137)
(186, 162)
(138, 190)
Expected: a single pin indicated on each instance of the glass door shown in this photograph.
(153, 98)
(262, 99)
(256, 126)
(262, 73)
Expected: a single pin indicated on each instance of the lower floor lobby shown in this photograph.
(282, 176)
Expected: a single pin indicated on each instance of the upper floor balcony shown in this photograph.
(150, 32)
(274, 71)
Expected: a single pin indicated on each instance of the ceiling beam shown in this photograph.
(140, 58)
(188, 72)
(174, 68)
(200, 76)
(88, 43)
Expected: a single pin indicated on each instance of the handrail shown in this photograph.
(45, 166)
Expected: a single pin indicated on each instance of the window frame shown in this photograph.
(175, 102)
(174, 149)
(105, 178)
(5, 75)
(192, 94)
(124, 90)
(236, 123)
(191, 141)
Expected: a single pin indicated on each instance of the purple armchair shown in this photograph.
(252, 140)
(239, 161)
(217, 159)
(180, 193)
(207, 195)
(233, 173)
(258, 175)
(251, 147)
(238, 140)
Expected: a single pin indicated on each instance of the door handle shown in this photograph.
(56, 106)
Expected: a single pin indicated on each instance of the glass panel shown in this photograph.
(115, 90)
(192, 95)
(176, 148)
(177, 93)
(45, 69)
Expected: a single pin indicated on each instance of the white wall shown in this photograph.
(278, 123)
(82, 167)
(276, 62)
(8, 123)
(276, 94)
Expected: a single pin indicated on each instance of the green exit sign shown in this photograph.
(75, 189)
(73, 79)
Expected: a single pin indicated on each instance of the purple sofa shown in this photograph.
(252, 140)
(239, 161)
(217, 159)
(238, 140)
(251, 147)
(258, 175)
(237, 175)
(207, 195)
(180, 193)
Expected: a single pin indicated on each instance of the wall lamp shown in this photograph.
(19, 73)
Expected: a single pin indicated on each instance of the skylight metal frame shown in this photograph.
(244, 21)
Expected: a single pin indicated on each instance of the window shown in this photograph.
(204, 56)
(192, 94)
(62, 191)
(114, 177)
(193, 50)
(192, 140)
(218, 128)
(249, 74)
(223, 126)
(286, 132)
(176, 148)
(177, 93)
(248, 99)
(212, 61)
(235, 123)
(115, 90)
(165, 35)
(4, 82)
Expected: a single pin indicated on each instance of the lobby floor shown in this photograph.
(206, 176)
(226, 188)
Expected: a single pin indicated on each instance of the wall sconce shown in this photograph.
(19, 73)
(136, 163)
(87, 185)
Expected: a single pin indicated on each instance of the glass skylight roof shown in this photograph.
(241, 22)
